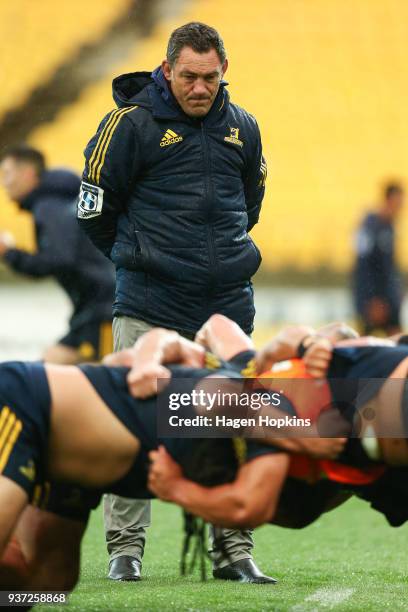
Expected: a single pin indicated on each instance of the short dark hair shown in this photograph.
(25, 153)
(392, 188)
(199, 36)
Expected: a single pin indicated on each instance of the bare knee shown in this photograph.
(52, 548)
(14, 570)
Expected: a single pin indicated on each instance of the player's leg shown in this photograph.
(87, 443)
(48, 535)
(23, 422)
(51, 547)
(13, 500)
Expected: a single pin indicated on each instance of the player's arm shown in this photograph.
(315, 346)
(254, 180)
(319, 353)
(223, 337)
(401, 338)
(285, 345)
(150, 354)
(56, 247)
(249, 501)
(296, 340)
(112, 161)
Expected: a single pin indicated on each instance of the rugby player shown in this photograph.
(79, 424)
(372, 464)
(88, 402)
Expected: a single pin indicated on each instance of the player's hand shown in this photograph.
(122, 359)
(283, 346)
(143, 380)
(6, 242)
(317, 357)
(191, 355)
(163, 473)
(201, 337)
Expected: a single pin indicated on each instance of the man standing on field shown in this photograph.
(173, 182)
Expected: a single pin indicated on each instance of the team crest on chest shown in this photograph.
(234, 137)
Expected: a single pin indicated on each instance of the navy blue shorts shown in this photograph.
(24, 429)
(92, 340)
(66, 500)
(24, 423)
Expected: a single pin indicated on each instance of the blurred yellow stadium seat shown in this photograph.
(37, 36)
(327, 83)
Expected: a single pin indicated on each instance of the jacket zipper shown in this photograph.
(209, 199)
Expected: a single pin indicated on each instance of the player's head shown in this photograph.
(212, 462)
(21, 168)
(393, 199)
(194, 66)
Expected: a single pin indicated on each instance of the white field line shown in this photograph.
(325, 598)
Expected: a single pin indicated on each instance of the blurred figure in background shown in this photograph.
(377, 282)
(64, 252)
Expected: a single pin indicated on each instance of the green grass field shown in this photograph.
(348, 560)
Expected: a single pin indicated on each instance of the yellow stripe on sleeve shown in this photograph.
(108, 139)
(98, 145)
(106, 135)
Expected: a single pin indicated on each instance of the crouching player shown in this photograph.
(81, 427)
(367, 385)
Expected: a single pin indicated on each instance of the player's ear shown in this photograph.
(166, 69)
(225, 67)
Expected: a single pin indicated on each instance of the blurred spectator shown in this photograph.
(377, 283)
(64, 252)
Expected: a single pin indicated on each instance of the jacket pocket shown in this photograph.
(140, 251)
(130, 255)
(258, 253)
(238, 264)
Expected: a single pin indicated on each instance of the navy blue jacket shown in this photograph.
(64, 251)
(376, 274)
(170, 200)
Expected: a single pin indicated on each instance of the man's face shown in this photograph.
(18, 178)
(195, 79)
(395, 203)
